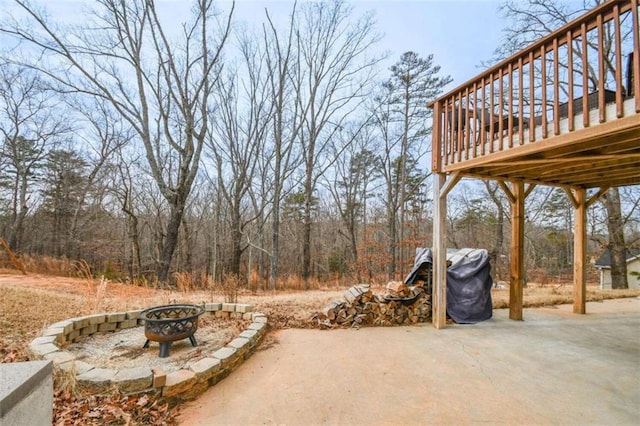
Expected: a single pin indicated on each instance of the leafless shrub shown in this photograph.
(48, 265)
(230, 285)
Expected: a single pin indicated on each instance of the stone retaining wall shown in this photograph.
(180, 385)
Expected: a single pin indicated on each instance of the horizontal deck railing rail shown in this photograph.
(583, 74)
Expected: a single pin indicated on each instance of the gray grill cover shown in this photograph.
(468, 283)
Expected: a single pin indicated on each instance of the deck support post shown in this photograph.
(517, 251)
(441, 187)
(580, 251)
(439, 296)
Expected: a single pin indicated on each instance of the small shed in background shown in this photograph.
(603, 264)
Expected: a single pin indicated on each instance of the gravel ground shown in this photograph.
(123, 349)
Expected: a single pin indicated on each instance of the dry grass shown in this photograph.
(187, 282)
(536, 295)
(61, 267)
(30, 303)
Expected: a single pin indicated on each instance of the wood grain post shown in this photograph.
(517, 251)
(439, 296)
(580, 252)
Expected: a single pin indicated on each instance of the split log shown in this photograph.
(362, 307)
(331, 311)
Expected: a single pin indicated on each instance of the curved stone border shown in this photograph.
(180, 385)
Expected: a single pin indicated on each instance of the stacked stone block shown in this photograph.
(183, 384)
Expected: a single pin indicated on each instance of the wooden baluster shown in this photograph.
(570, 114)
(556, 89)
(636, 53)
(501, 111)
(436, 136)
(459, 135)
(520, 101)
(491, 113)
(532, 106)
(543, 79)
(510, 107)
(452, 132)
(601, 74)
(467, 125)
(585, 77)
(618, 49)
(483, 123)
(475, 134)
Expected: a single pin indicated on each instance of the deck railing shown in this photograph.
(585, 73)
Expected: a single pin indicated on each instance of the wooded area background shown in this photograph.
(279, 154)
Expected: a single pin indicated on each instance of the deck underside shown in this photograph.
(602, 155)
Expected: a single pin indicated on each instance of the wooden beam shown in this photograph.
(553, 161)
(530, 187)
(517, 252)
(601, 177)
(450, 183)
(564, 141)
(597, 195)
(439, 296)
(572, 199)
(524, 180)
(507, 191)
(580, 252)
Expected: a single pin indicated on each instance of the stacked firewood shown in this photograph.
(398, 305)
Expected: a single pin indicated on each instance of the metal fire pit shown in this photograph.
(168, 323)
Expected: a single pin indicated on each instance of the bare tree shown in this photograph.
(335, 73)
(160, 84)
(122, 185)
(64, 176)
(243, 116)
(286, 123)
(105, 134)
(30, 122)
(383, 121)
(351, 184)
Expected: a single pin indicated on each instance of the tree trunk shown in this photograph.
(617, 248)
(171, 240)
(19, 213)
(135, 245)
(354, 248)
(306, 236)
(403, 178)
(275, 239)
(186, 244)
(308, 199)
(392, 244)
(236, 244)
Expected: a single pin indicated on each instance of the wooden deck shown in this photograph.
(563, 112)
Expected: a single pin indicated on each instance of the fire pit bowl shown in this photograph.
(169, 323)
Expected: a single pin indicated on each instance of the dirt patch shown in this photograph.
(124, 349)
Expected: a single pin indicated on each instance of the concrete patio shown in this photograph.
(556, 367)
